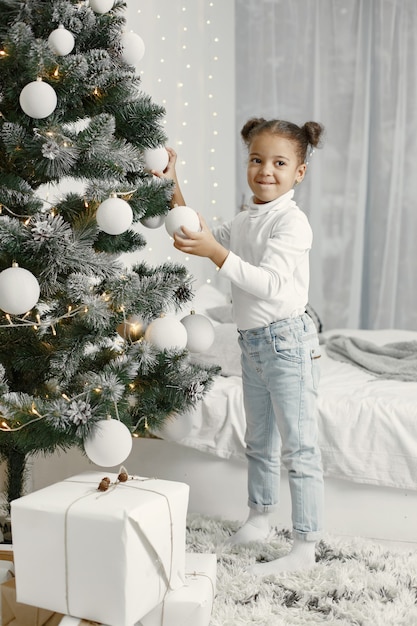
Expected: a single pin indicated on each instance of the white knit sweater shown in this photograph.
(268, 262)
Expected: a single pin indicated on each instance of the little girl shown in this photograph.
(264, 252)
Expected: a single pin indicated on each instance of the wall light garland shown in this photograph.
(184, 71)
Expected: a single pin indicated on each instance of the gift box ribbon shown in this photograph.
(136, 484)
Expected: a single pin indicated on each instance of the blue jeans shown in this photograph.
(280, 378)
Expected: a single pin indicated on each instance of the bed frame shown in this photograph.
(218, 488)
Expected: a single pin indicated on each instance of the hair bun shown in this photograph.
(314, 132)
(250, 126)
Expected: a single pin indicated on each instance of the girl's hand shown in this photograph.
(201, 243)
(170, 173)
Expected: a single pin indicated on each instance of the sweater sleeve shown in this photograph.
(222, 234)
(284, 251)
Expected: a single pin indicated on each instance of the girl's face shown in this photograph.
(273, 167)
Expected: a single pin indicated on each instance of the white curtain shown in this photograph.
(351, 65)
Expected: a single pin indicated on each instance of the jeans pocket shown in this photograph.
(286, 348)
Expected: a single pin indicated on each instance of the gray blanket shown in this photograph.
(396, 361)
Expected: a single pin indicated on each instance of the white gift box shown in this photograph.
(192, 604)
(105, 556)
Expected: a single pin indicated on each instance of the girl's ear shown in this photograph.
(301, 172)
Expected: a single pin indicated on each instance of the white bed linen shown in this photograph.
(368, 426)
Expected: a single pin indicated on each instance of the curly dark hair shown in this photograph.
(308, 135)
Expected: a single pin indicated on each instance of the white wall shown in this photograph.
(189, 68)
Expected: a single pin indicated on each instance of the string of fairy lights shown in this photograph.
(187, 68)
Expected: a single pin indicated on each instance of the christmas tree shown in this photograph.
(72, 316)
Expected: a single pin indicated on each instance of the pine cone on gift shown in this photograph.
(123, 476)
(104, 484)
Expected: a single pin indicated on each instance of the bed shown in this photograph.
(367, 426)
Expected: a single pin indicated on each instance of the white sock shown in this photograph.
(256, 528)
(300, 557)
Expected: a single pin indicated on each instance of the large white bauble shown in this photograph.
(61, 41)
(156, 159)
(38, 99)
(181, 216)
(133, 48)
(166, 333)
(132, 329)
(200, 332)
(110, 443)
(114, 216)
(101, 6)
(19, 290)
(177, 428)
(153, 222)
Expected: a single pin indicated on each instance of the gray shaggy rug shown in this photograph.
(355, 582)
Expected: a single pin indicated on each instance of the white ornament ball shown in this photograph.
(166, 333)
(38, 99)
(156, 159)
(181, 216)
(61, 41)
(200, 332)
(19, 290)
(177, 428)
(110, 443)
(133, 48)
(153, 222)
(114, 216)
(132, 329)
(101, 6)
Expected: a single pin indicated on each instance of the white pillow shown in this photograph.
(222, 314)
(208, 296)
(205, 297)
